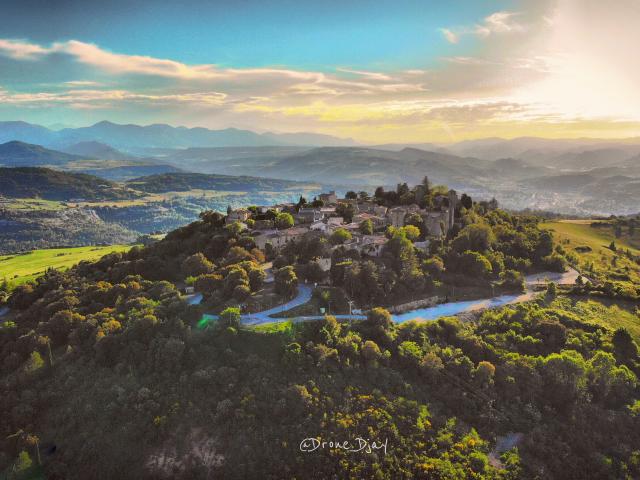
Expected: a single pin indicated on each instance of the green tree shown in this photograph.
(284, 220)
(230, 317)
(23, 463)
(34, 363)
(475, 237)
(346, 211)
(286, 281)
(379, 317)
(196, 264)
(411, 232)
(366, 227)
(475, 264)
(624, 346)
(340, 236)
(371, 352)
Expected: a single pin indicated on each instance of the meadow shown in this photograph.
(591, 248)
(22, 267)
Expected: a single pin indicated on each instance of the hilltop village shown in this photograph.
(396, 247)
(356, 221)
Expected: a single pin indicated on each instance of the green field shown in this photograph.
(591, 248)
(20, 268)
(30, 204)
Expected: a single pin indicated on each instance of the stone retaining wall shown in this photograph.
(422, 303)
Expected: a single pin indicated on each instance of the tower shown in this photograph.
(453, 202)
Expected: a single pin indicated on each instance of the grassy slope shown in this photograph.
(606, 314)
(577, 233)
(22, 268)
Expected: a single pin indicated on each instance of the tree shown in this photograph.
(624, 346)
(346, 211)
(340, 236)
(434, 267)
(485, 372)
(555, 262)
(475, 237)
(23, 463)
(411, 232)
(379, 317)
(351, 195)
(465, 201)
(286, 281)
(416, 220)
(284, 220)
(230, 317)
(366, 227)
(564, 375)
(552, 291)
(34, 363)
(475, 264)
(196, 264)
(371, 352)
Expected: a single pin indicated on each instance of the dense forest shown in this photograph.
(107, 372)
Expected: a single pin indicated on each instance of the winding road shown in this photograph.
(430, 313)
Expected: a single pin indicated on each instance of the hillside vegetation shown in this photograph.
(107, 372)
(22, 154)
(179, 182)
(599, 249)
(56, 185)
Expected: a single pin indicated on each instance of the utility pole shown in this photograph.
(351, 302)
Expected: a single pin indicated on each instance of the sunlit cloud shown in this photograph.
(496, 23)
(553, 68)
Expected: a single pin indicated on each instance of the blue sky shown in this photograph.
(402, 70)
(320, 35)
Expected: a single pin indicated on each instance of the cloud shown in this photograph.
(496, 23)
(20, 50)
(369, 75)
(554, 68)
(82, 83)
(105, 98)
(450, 35)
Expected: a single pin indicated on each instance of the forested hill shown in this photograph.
(20, 154)
(47, 184)
(107, 372)
(179, 182)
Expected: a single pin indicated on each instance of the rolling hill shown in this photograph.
(28, 182)
(183, 182)
(93, 149)
(20, 154)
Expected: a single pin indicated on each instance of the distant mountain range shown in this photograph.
(572, 187)
(88, 157)
(575, 176)
(127, 137)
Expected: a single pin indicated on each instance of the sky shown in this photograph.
(376, 71)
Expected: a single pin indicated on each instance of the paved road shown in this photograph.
(303, 296)
(431, 313)
(567, 278)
